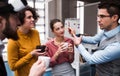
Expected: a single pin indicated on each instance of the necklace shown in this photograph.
(58, 42)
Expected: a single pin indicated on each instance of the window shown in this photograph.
(80, 15)
(40, 25)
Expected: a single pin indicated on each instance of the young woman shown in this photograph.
(60, 49)
(22, 53)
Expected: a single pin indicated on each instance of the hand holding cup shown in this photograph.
(46, 59)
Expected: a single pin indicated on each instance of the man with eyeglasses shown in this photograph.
(8, 26)
(107, 55)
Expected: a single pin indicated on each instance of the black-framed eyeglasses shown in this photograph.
(103, 16)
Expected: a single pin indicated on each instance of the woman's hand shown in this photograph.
(36, 52)
(70, 48)
(61, 49)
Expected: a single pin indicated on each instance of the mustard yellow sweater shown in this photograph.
(19, 58)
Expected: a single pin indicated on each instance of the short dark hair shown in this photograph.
(21, 13)
(52, 22)
(113, 7)
(6, 9)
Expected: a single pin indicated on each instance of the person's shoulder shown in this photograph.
(49, 42)
(11, 41)
(67, 39)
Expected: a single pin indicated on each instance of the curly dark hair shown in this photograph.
(21, 13)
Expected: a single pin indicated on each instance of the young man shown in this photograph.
(107, 55)
(8, 24)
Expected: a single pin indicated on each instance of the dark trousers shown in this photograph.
(2, 67)
(87, 70)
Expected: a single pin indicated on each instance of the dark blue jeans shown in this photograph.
(87, 70)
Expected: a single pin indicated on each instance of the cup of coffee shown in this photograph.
(65, 45)
(46, 59)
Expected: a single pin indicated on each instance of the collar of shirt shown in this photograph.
(111, 33)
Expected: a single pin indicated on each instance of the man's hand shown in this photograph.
(71, 31)
(38, 68)
(77, 40)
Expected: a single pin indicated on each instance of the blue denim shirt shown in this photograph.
(111, 52)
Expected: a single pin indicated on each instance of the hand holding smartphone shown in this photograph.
(42, 47)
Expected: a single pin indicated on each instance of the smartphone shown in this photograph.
(42, 47)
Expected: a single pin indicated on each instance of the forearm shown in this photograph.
(55, 56)
(92, 39)
(16, 63)
(101, 56)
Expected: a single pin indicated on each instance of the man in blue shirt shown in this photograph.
(107, 55)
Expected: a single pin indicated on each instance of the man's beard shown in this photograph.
(9, 32)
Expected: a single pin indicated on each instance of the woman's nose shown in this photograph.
(32, 19)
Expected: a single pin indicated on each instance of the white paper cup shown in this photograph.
(46, 59)
(65, 45)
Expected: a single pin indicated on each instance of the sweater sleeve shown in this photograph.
(52, 60)
(15, 62)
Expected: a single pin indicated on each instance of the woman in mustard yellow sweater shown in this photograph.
(22, 53)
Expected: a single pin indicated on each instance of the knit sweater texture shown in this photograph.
(19, 58)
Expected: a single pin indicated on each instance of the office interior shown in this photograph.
(82, 11)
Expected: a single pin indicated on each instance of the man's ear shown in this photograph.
(18, 4)
(115, 17)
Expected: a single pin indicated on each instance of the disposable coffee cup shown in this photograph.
(46, 59)
(65, 45)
